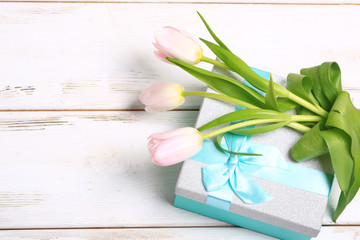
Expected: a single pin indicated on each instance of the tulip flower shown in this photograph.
(175, 43)
(168, 148)
(162, 96)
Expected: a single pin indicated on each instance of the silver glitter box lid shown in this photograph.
(293, 209)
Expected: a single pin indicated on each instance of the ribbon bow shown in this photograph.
(227, 174)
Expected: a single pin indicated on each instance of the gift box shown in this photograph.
(271, 194)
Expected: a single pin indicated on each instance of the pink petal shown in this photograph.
(163, 94)
(184, 33)
(177, 149)
(152, 145)
(156, 109)
(161, 56)
(178, 44)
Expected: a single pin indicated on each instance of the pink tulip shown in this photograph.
(162, 96)
(175, 43)
(168, 148)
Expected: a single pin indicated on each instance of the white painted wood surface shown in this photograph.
(287, 2)
(76, 169)
(214, 233)
(100, 56)
(64, 168)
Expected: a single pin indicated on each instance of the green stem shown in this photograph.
(216, 63)
(239, 125)
(296, 126)
(316, 109)
(299, 127)
(279, 90)
(293, 125)
(220, 97)
(305, 118)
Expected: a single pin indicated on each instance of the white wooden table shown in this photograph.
(73, 157)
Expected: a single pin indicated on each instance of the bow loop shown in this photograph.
(215, 176)
(234, 172)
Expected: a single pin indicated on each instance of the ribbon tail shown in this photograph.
(248, 190)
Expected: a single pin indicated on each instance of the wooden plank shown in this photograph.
(92, 169)
(86, 169)
(99, 56)
(233, 233)
(290, 2)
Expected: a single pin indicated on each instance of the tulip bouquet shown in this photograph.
(324, 112)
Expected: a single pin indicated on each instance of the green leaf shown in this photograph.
(270, 97)
(313, 74)
(241, 68)
(310, 145)
(222, 84)
(304, 111)
(356, 184)
(330, 80)
(284, 104)
(326, 82)
(213, 34)
(341, 205)
(339, 135)
(345, 118)
(245, 115)
(346, 169)
(349, 196)
(218, 145)
(260, 129)
(301, 86)
(338, 143)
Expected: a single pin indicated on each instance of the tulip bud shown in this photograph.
(162, 96)
(168, 148)
(177, 44)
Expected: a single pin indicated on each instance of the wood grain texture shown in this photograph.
(99, 56)
(285, 2)
(92, 169)
(213, 233)
(86, 170)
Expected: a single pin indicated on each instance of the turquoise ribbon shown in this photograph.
(230, 174)
(226, 175)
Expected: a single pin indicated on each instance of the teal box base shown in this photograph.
(238, 220)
